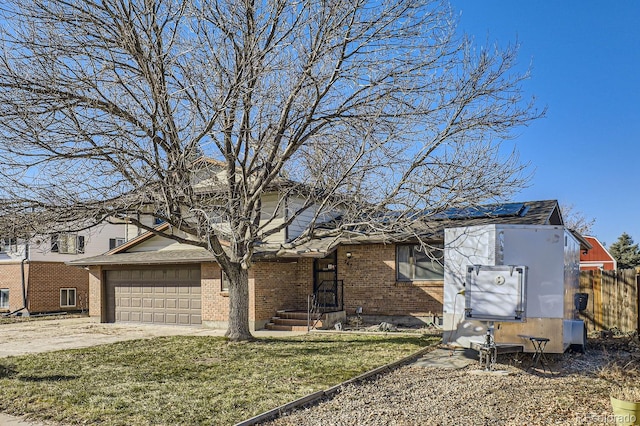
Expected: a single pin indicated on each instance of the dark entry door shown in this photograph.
(325, 281)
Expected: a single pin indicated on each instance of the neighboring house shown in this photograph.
(157, 280)
(597, 258)
(34, 277)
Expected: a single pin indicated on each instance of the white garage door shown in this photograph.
(168, 295)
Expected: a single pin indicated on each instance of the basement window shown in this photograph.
(413, 263)
(4, 298)
(67, 297)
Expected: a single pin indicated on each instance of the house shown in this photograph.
(151, 279)
(34, 276)
(597, 258)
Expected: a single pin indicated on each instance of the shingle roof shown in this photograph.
(546, 212)
(195, 255)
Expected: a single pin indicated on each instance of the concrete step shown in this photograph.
(276, 327)
(301, 315)
(294, 322)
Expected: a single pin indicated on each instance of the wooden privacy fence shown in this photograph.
(613, 300)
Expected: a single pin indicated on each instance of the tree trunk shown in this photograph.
(238, 304)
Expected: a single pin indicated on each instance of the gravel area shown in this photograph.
(577, 394)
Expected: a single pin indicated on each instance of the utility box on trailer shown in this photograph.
(522, 277)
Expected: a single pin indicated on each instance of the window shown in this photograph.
(8, 245)
(67, 297)
(4, 298)
(67, 243)
(224, 282)
(413, 264)
(115, 242)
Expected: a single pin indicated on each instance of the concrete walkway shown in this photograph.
(448, 358)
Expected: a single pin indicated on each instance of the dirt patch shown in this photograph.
(21, 338)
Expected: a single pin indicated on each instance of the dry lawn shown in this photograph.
(188, 380)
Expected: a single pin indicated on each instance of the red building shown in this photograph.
(596, 258)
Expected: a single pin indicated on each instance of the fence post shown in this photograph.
(597, 300)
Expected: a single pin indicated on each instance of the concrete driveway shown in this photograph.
(51, 335)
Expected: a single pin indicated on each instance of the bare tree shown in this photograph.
(576, 220)
(104, 107)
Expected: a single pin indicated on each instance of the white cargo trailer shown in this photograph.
(492, 270)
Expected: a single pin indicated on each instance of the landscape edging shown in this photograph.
(313, 397)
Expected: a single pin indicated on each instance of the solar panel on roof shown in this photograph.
(494, 210)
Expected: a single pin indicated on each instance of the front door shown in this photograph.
(325, 280)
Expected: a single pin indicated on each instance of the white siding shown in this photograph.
(132, 231)
(96, 242)
(15, 254)
(157, 243)
(270, 208)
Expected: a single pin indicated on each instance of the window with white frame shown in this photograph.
(4, 298)
(67, 243)
(8, 244)
(115, 242)
(417, 263)
(67, 297)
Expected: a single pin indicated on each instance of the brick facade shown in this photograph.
(281, 285)
(370, 282)
(272, 286)
(95, 292)
(45, 281)
(215, 302)
(11, 279)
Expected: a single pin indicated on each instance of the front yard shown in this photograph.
(188, 380)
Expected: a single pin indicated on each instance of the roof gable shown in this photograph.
(598, 253)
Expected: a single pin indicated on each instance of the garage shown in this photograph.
(165, 295)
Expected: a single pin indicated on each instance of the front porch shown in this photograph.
(352, 280)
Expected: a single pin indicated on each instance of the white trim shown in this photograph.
(613, 260)
(75, 297)
(6, 305)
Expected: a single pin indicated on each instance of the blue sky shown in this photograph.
(585, 59)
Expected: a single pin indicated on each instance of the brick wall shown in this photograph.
(215, 302)
(95, 292)
(281, 285)
(272, 286)
(47, 278)
(11, 279)
(370, 282)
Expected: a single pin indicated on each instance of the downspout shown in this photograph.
(24, 283)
